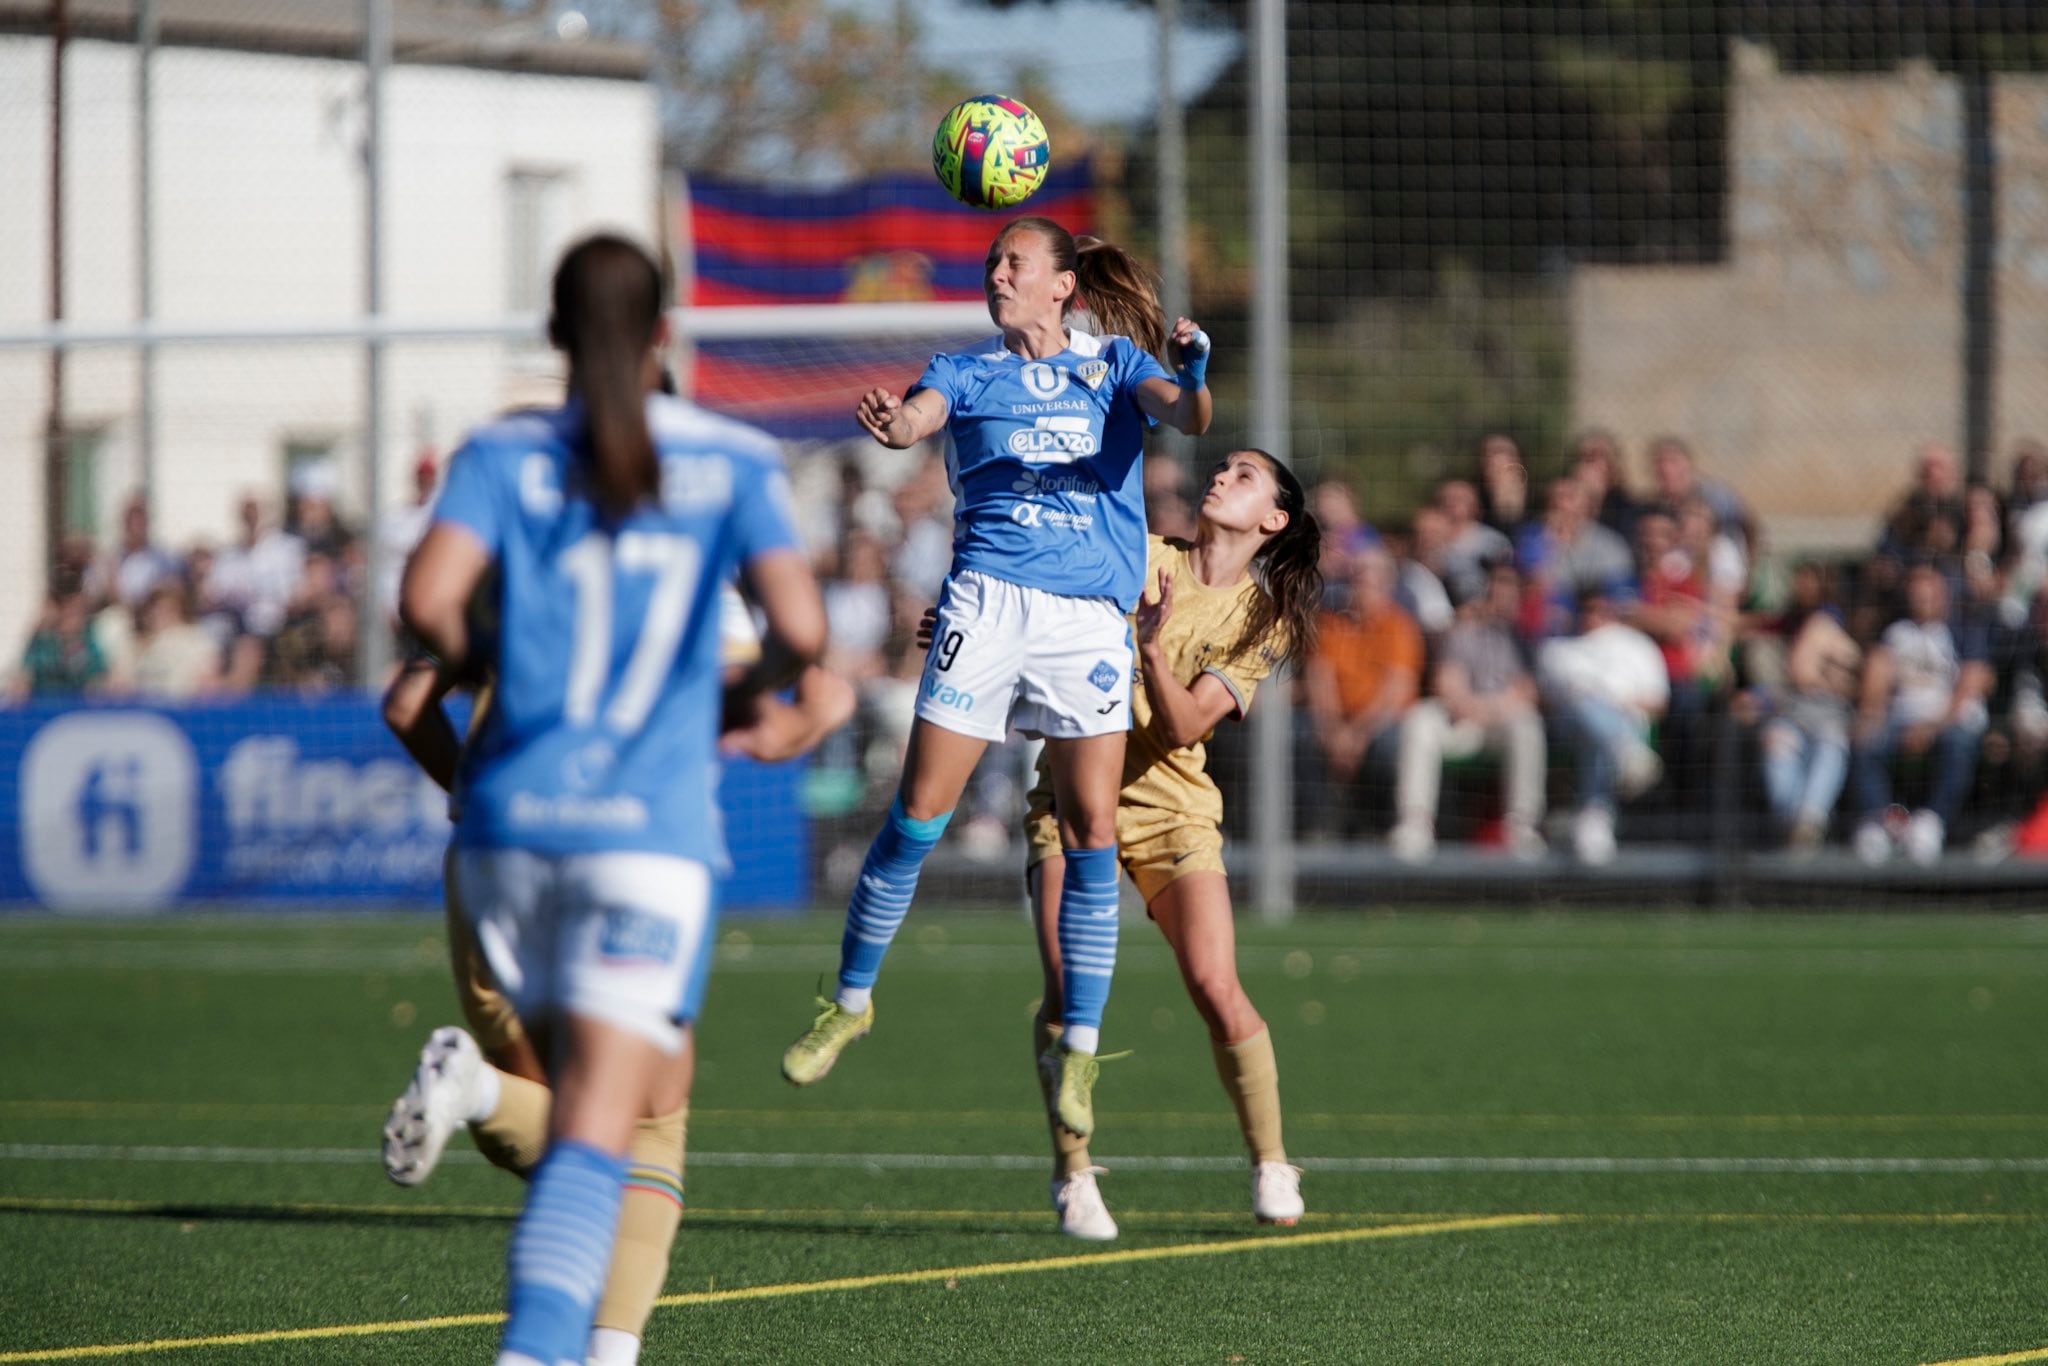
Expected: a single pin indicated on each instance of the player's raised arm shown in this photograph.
(900, 423)
(1183, 402)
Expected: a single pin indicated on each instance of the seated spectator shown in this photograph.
(1982, 551)
(1503, 483)
(399, 528)
(1361, 680)
(1483, 702)
(1596, 464)
(173, 658)
(1417, 586)
(315, 648)
(1927, 520)
(1567, 555)
(1470, 546)
(1693, 622)
(923, 505)
(2029, 479)
(1606, 686)
(1345, 533)
(257, 576)
(137, 565)
(1678, 478)
(1805, 740)
(1168, 511)
(858, 614)
(1923, 694)
(311, 516)
(63, 657)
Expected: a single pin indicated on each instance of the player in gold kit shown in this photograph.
(1229, 607)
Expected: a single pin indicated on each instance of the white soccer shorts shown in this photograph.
(623, 938)
(1004, 656)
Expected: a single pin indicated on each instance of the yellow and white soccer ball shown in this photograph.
(991, 152)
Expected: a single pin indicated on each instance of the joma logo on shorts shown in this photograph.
(946, 695)
(636, 934)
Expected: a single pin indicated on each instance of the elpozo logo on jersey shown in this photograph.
(1054, 439)
(108, 810)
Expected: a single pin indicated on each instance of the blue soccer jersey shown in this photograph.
(1046, 464)
(602, 732)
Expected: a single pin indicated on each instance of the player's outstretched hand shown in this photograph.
(927, 627)
(876, 410)
(1153, 612)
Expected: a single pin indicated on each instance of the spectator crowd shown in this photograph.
(1576, 662)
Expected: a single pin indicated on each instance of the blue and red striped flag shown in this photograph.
(890, 239)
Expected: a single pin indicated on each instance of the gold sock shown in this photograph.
(649, 1211)
(1252, 1078)
(516, 1135)
(1069, 1150)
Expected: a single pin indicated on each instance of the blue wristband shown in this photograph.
(1193, 370)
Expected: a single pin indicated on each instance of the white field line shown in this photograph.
(1803, 1166)
(1342, 964)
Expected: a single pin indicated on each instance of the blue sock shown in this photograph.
(561, 1250)
(881, 898)
(1087, 929)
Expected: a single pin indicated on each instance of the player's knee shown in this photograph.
(1090, 830)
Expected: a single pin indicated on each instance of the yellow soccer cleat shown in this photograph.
(818, 1047)
(1074, 1091)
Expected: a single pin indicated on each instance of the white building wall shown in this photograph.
(259, 213)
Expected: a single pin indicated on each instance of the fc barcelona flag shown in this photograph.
(892, 239)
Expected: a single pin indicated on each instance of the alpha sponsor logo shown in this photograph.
(631, 935)
(1104, 675)
(108, 810)
(946, 695)
(1054, 440)
(1026, 514)
(1092, 373)
(1044, 381)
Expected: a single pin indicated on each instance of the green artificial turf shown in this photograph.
(1549, 1137)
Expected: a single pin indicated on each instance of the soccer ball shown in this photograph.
(991, 152)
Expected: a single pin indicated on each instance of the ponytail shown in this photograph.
(1120, 293)
(1289, 569)
(607, 306)
(1116, 289)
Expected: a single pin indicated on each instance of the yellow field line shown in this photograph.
(942, 1274)
(56, 1109)
(2003, 1359)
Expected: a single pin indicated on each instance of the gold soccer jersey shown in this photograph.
(1168, 811)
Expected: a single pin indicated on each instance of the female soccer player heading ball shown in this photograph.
(587, 835)
(1047, 428)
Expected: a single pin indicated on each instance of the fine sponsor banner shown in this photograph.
(279, 800)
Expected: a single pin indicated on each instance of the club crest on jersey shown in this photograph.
(1044, 381)
(1092, 372)
(1104, 675)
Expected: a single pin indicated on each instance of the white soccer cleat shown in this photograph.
(1276, 1193)
(1079, 1202)
(439, 1101)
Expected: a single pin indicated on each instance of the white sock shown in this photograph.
(1082, 1038)
(483, 1100)
(612, 1347)
(854, 999)
(518, 1359)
